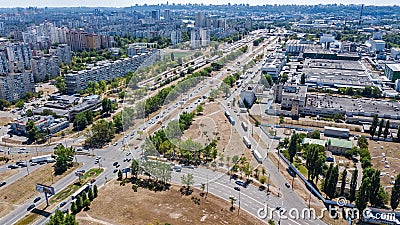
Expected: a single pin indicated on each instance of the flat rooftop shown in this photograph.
(348, 104)
(394, 67)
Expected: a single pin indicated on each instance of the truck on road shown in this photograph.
(257, 155)
(245, 126)
(247, 142)
(42, 158)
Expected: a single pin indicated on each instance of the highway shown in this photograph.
(219, 184)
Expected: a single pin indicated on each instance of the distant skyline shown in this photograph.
(125, 3)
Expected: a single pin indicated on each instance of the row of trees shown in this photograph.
(374, 126)
(84, 199)
(60, 218)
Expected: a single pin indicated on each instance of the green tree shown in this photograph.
(102, 132)
(20, 104)
(90, 194)
(74, 210)
(59, 218)
(60, 84)
(86, 204)
(315, 134)
(202, 187)
(380, 129)
(79, 204)
(118, 122)
(32, 132)
(332, 182)
(119, 175)
(362, 195)
(386, 131)
(327, 177)
(353, 185)
(63, 156)
(29, 113)
(80, 121)
(292, 149)
(374, 126)
(374, 188)
(135, 168)
(106, 105)
(395, 197)
(95, 191)
(187, 180)
(4, 104)
(232, 200)
(343, 184)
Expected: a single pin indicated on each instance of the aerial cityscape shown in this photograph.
(114, 112)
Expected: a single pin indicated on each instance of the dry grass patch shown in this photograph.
(24, 188)
(144, 207)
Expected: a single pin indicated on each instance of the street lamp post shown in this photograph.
(239, 203)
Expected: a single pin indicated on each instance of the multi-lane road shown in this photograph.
(251, 199)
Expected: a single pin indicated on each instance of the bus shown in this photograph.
(257, 155)
(244, 126)
(247, 142)
(231, 120)
(227, 114)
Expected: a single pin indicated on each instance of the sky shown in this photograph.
(124, 3)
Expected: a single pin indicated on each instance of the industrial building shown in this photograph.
(333, 145)
(392, 71)
(335, 73)
(336, 132)
(273, 65)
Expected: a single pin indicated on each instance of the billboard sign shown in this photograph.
(45, 189)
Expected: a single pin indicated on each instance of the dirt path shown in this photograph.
(87, 217)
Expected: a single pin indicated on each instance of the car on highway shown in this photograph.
(287, 185)
(115, 170)
(62, 204)
(37, 199)
(30, 207)
(13, 166)
(3, 183)
(115, 163)
(261, 188)
(237, 188)
(238, 182)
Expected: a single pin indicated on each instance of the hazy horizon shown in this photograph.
(125, 3)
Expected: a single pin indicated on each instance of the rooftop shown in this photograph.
(394, 67)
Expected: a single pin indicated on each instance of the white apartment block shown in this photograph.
(106, 71)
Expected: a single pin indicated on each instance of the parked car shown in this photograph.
(62, 204)
(287, 185)
(115, 170)
(115, 163)
(3, 183)
(238, 182)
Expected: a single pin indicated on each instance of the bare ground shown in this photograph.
(145, 207)
(24, 188)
